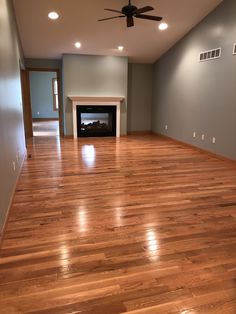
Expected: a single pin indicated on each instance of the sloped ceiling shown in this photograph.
(43, 38)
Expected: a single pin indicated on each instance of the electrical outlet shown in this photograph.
(213, 140)
(14, 165)
(38, 113)
(194, 134)
(203, 137)
(166, 127)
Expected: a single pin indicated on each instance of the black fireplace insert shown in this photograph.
(96, 121)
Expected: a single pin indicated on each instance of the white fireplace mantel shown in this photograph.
(96, 101)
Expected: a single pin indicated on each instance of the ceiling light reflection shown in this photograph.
(89, 155)
(152, 244)
(119, 218)
(82, 220)
(64, 256)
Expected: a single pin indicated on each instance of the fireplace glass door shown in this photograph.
(96, 120)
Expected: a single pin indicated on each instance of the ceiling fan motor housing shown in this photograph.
(129, 10)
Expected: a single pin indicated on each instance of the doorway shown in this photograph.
(43, 113)
(44, 103)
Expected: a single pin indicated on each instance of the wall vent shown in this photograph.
(210, 54)
(234, 49)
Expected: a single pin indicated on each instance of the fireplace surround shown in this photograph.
(95, 101)
(96, 121)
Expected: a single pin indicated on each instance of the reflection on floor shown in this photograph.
(46, 128)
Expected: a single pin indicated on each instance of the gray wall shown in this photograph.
(140, 77)
(12, 143)
(85, 75)
(41, 94)
(43, 63)
(200, 96)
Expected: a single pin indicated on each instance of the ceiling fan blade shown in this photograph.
(143, 10)
(130, 21)
(148, 17)
(111, 18)
(116, 11)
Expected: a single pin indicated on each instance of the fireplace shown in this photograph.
(96, 101)
(96, 120)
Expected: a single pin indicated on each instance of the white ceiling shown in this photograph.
(43, 38)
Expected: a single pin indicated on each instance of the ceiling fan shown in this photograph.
(130, 11)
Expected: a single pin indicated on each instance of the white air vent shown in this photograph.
(234, 49)
(210, 54)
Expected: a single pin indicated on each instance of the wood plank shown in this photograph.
(139, 224)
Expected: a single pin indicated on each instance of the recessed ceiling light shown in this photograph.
(163, 26)
(120, 48)
(53, 15)
(77, 44)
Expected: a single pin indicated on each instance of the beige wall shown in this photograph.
(12, 143)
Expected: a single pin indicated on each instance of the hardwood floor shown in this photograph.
(46, 128)
(137, 225)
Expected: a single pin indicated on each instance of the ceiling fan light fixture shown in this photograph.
(163, 26)
(120, 48)
(78, 44)
(53, 15)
